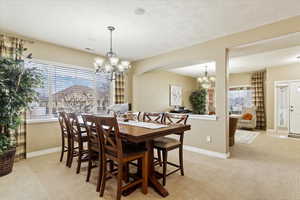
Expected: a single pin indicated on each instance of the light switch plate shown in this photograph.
(208, 139)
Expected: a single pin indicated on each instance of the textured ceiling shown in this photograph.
(165, 26)
(247, 63)
(255, 62)
(280, 51)
(196, 70)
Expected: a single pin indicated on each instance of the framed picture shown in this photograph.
(175, 95)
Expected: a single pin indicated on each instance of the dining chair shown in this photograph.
(153, 117)
(78, 141)
(94, 148)
(166, 144)
(65, 139)
(133, 116)
(114, 149)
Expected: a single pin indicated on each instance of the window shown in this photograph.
(69, 89)
(240, 98)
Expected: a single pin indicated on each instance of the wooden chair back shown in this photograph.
(111, 113)
(153, 117)
(63, 125)
(90, 122)
(74, 126)
(104, 132)
(133, 116)
(170, 118)
(110, 138)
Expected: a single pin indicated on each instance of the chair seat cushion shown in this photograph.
(165, 142)
(129, 149)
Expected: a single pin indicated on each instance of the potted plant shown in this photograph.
(17, 85)
(198, 101)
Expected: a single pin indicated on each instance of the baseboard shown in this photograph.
(185, 147)
(43, 152)
(206, 152)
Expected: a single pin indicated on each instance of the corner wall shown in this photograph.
(46, 135)
(152, 90)
(239, 79)
(214, 50)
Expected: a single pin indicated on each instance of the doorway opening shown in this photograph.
(264, 89)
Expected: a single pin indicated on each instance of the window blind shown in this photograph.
(69, 89)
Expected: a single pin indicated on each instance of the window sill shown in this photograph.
(201, 117)
(36, 121)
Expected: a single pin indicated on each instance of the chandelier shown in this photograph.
(206, 81)
(111, 64)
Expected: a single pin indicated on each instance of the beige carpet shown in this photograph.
(267, 169)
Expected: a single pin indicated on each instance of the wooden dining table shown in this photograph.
(138, 134)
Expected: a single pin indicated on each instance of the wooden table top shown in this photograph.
(140, 134)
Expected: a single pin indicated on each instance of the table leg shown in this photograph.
(152, 178)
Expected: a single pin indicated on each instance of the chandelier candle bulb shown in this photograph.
(125, 63)
(114, 60)
(206, 81)
(99, 61)
(108, 68)
(212, 78)
(121, 67)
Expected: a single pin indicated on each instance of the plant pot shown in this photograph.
(7, 162)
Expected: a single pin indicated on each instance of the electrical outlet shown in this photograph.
(208, 139)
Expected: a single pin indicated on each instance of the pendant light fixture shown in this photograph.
(111, 64)
(206, 81)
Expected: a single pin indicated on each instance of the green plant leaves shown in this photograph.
(4, 143)
(17, 85)
(198, 101)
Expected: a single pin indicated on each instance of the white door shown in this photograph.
(295, 107)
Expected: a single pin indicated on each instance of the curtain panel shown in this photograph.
(258, 83)
(8, 48)
(120, 89)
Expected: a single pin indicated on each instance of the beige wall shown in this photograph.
(239, 79)
(152, 90)
(214, 50)
(43, 136)
(201, 128)
(280, 73)
(47, 135)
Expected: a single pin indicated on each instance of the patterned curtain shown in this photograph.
(8, 47)
(211, 101)
(258, 83)
(120, 89)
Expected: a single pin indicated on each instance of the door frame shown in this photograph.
(276, 83)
